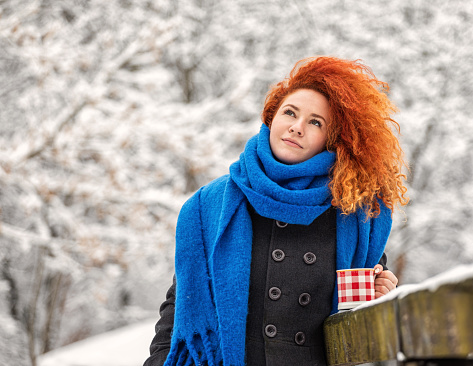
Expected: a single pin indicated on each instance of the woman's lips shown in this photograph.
(292, 143)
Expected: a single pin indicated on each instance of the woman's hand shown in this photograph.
(384, 281)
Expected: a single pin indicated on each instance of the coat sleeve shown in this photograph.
(161, 342)
(383, 261)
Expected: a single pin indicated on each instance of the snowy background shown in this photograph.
(114, 112)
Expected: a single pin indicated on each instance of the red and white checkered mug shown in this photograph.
(355, 286)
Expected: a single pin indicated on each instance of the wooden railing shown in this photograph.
(428, 324)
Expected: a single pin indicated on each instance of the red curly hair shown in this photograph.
(369, 157)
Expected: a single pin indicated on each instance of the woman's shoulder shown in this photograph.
(209, 192)
(216, 186)
(206, 202)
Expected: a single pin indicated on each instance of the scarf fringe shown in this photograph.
(202, 348)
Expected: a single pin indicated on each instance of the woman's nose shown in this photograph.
(297, 128)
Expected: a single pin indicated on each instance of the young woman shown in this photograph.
(257, 250)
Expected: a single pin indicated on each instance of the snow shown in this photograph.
(455, 275)
(127, 346)
(114, 113)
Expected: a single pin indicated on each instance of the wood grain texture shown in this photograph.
(438, 324)
(361, 336)
(423, 325)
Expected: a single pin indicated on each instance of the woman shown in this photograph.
(257, 250)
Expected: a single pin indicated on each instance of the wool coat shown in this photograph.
(292, 280)
(214, 242)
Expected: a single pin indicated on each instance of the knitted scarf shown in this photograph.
(214, 238)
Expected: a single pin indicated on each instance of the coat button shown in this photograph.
(304, 299)
(274, 293)
(300, 338)
(270, 330)
(281, 224)
(309, 258)
(278, 255)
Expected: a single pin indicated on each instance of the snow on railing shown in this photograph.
(413, 324)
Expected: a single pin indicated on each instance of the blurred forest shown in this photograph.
(114, 112)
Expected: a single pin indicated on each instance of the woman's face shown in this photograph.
(299, 127)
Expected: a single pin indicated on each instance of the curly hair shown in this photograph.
(369, 158)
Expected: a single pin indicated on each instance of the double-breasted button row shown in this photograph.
(271, 331)
(278, 256)
(275, 294)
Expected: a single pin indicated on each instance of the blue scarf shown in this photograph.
(214, 238)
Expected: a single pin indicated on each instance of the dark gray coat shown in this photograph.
(291, 287)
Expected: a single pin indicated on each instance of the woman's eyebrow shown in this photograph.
(297, 109)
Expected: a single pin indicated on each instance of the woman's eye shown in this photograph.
(289, 113)
(316, 123)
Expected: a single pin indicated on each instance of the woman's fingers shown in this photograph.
(384, 282)
(378, 269)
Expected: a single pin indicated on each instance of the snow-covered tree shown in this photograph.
(113, 113)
